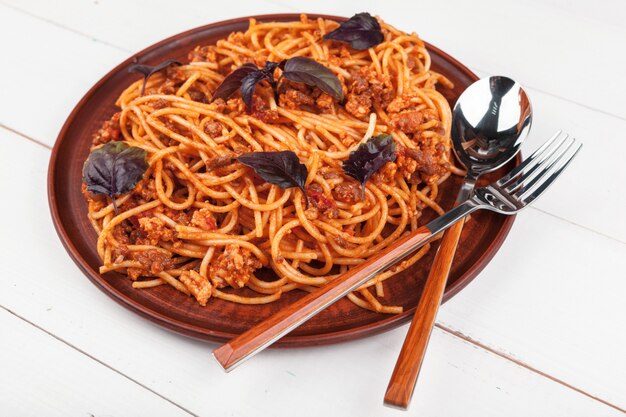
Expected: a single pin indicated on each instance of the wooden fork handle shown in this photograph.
(404, 377)
(270, 330)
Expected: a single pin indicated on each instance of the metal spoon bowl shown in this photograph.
(489, 122)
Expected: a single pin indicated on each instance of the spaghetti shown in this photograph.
(205, 224)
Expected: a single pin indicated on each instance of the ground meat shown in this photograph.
(400, 103)
(120, 234)
(110, 131)
(234, 266)
(359, 81)
(325, 205)
(203, 53)
(386, 173)
(204, 219)
(329, 172)
(348, 192)
(119, 253)
(359, 105)
(198, 96)
(160, 104)
(152, 261)
(218, 105)
(410, 161)
(168, 87)
(343, 243)
(155, 230)
(218, 162)
(311, 213)
(409, 121)
(299, 96)
(174, 73)
(366, 89)
(411, 62)
(146, 190)
(325, 103)
(235, 105)
(293, 99)
(213, 128)
(199, 286)
(182, 217)
(175, 127)
(261, 110)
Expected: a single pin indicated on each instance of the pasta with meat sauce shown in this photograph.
(205, 223)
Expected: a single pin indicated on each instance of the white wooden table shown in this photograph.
(541, 332)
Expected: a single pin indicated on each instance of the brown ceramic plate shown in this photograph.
(221, 320)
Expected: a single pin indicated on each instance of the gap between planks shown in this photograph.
(440, 326)
(518, 362)
(25, 136)
(65, 342)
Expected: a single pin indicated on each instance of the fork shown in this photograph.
(511, 193)
(406, 370)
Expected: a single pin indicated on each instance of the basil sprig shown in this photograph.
(298, 69)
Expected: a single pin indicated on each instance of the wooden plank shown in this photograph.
(50, 70)
(591, 192)
(348, 379)
(558, 48)
(42, 376)
(552, 298)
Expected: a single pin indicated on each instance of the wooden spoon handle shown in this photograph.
(404, 377)
(287, 319)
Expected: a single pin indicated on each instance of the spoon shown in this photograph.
(489, 122)
(497, 100)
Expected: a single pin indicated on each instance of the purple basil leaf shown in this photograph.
(361, 31)
(310, 72)
(248, 85)
(279, 168)
(369, 157)
(147, 70)
(114, 168)
(269, 68)
(232, 82)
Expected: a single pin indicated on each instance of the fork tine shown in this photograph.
(524, 174)
(528, 161)
(532, 194)
(529, 178)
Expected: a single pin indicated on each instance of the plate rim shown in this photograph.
(209, 335)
